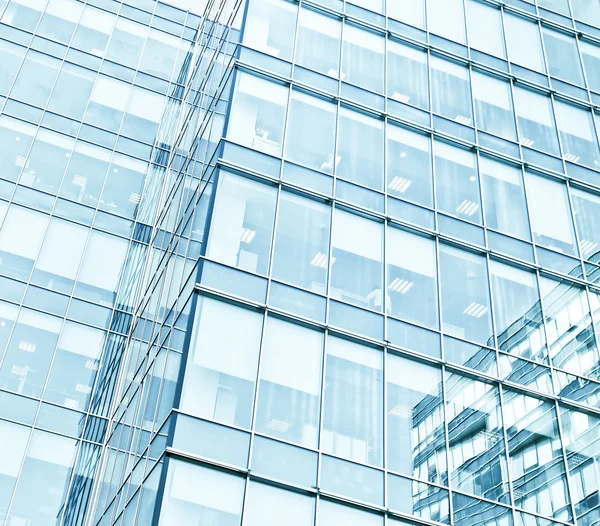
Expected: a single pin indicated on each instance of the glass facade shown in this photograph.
(312, 262)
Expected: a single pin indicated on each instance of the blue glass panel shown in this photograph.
(413, 338)
(351, 480)
(213, 441)
(19, 408)
(356, 320)
(297, 301)
(284, 462)
(233, 281)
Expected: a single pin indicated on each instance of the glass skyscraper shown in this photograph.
(313, 262)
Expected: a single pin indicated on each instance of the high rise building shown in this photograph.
(320, 262)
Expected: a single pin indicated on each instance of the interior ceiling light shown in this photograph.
(476, 310)
(400, 97)
(401, 285)
(247, 235)
(400, 184)
(467, 208)
(463, 120)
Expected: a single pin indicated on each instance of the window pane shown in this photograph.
(457, 185)
(143, 115)
(524, 43)
(24, 14)
(122, 190)
(447, 18)
(127, 42)
(373, 5)
(270, 27)
(60, 19)
(242, 223)
(258, 114)
(267, 506)
(415, 418)
(591, 61)
(101, 268)
(569, 327)
(409, 165)
(561, 6)
(61, 254)
(516, 303)
(525, 417)
(485, 28)
(15, 139)
(72, 91)
(536, 123)
(363, 57)
(290, 383)
(75, 366)
(465, 295)
(11, 56)
(356, 273)
(311, 132)
(563, 56)
(412, 277)
(476, 405)
(550, 214)
(504, 198)
(160, 54)
(302, 242)
(36, 79)
(220, 385)
(353, 407)
(93, 30)
(581, 441)
(493, 106)
(318, 44)
(21, 237)
(587, 10)
(44, 478)
(407, 74)
(107, 103)
(410, 12)
(331, 514)
(587, 215)
(451, 90)
(85, 174)
(13, 442)
(29, 353)
(360, 149)
(198, 496)
(577, 134)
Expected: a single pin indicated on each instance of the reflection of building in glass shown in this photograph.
(321, 262)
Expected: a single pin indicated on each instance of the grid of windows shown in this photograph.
(397, 310)
(83, 89)
(352, 278)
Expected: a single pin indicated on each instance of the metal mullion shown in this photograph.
(332, 211)
(511, 494)
(582, 63)
(575, 228)
(543, 326)
(594, 321)
(511, 81)
(490, 291)
(384, 407)
(20, 470)
(569, 484)
(256, 391)
(430, 136)
(447, 443)
(321, 414)
(278, 195)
